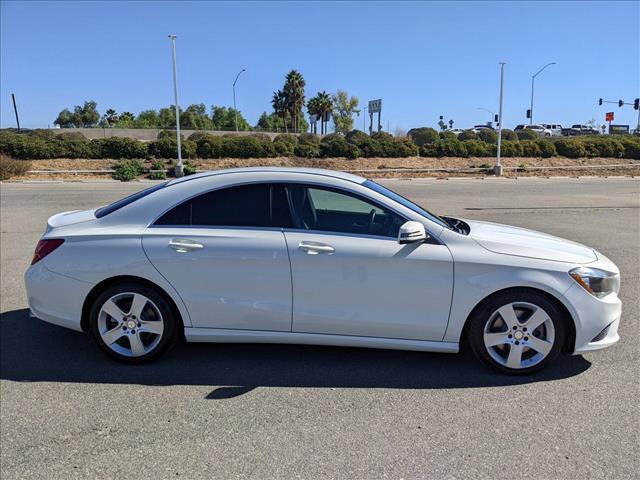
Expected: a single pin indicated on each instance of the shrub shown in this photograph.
(161, 172)
(29, 146)
(450, 147)
(423, 135)
(209, 146)
(381, 136)
(189, 168)
(403, 147)
(476, 148)
(246, 147)
(531, 148)
(307, 151)
(509, 135)
(168, 148)
(488, 135)
(127, 170)
(510, 148)
(172, 134)
(448, 135)
(286, 138)
(261, 136)
(467, 135)
(119, 147)
(357, 137)
(10, 167)
(631, 146)
(197, 136)
(429, 150)
(74, 145)
(603, 147)
(547, 148)
(527, 135)
(283, 148)
(308, 139)
(570, 148)
(42, 133)
(334, 145)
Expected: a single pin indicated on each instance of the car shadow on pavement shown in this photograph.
(35, 351)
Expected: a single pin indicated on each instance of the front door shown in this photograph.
(352, 277)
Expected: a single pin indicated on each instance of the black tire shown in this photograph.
(484, 313)
(169, 335)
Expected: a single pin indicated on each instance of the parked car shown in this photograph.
(456, 131)
(307, 256)
(539, 129)
(580, 129)
(554, 128)
(477, 128)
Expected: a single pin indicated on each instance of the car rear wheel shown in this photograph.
(517, 332)
(132, 323)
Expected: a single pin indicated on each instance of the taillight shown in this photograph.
(45, 247)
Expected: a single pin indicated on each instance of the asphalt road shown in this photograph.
(265, 411)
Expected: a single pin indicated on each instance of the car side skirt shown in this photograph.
(216, 335)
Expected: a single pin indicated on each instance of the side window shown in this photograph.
(256, 205)
(323, 209)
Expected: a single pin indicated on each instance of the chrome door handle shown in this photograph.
(313, 248)
(183, 245)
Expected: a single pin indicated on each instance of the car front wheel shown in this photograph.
(132, 323)
(517, 332)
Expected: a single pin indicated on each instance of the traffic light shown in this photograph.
(495, 118)
(636, 104)
(528, 113)
(599, 101)
(620, 103)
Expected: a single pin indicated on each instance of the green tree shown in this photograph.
(294, 94)
(65, 119)
(83, 116)
(167, 117)
(111, 117)
(147, 119)
(126, 120)
(313, 108)
(195, 117)
(270, 123)
(223, 118)
(279, 104)
(344, 107)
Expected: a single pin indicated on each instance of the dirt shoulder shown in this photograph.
(368, 167)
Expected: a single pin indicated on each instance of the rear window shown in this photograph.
(117, 205)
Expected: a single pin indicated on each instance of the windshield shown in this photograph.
(406, 203)
(101, 212)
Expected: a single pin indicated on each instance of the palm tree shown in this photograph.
(325, 106)
(111, 116)
(279, 103)
(313, 107)
(294, 93)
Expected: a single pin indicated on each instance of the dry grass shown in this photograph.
(376, 164)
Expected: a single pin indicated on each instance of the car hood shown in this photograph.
(521, 242)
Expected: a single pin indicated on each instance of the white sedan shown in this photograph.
(277, 255)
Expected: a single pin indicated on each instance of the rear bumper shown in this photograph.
(55, 298)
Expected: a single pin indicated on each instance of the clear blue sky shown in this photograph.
(422, 58)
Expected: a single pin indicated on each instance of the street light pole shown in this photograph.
(489, 111)
(498, 168)
(533, 78)
(179, 171)
(235, 110)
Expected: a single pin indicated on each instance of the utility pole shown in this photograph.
(235, 110)
(498, 168)
(533, 78)
(179, 171)
(364, 119)
(15, 110)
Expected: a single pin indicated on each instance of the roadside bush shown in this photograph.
(42, 133)
(172, 134)
(196, 136)
(530, 149)
(450, 147)
(74, 145)
(570, 148)
(161, 174)
(488, 135)
(308, 139)
(631, 146)
(189, 168)
(334, 145)
(10, 167)
(423, 135)
(307, 151)
(127, 170)
(430, 150)
(209, 146)
(403, 147)
(467, 135)
(448, 135)
(603, 147)
(381, 136)
(247, 147)
(509, 135)
(511, 149)
(283, 149)
(547, 148)
(476, 148)
(168, 148)
(29, 147)
(357, 137)
(121, 147)
(286, 138)
(527, 135)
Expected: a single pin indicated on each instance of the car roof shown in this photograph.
(311, 171)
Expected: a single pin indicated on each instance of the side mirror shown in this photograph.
(412, 232)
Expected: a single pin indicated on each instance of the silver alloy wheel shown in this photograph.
(130, 324)
(519, 335)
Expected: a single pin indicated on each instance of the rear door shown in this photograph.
(224, 254)
(352, 277)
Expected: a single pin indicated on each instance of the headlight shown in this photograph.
(598, 283)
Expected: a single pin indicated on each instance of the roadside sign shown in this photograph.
(375, 106)
(618, 129)
(609, 117)
(313, 119)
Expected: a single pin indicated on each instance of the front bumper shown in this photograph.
(592, 316)
(55, 298)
